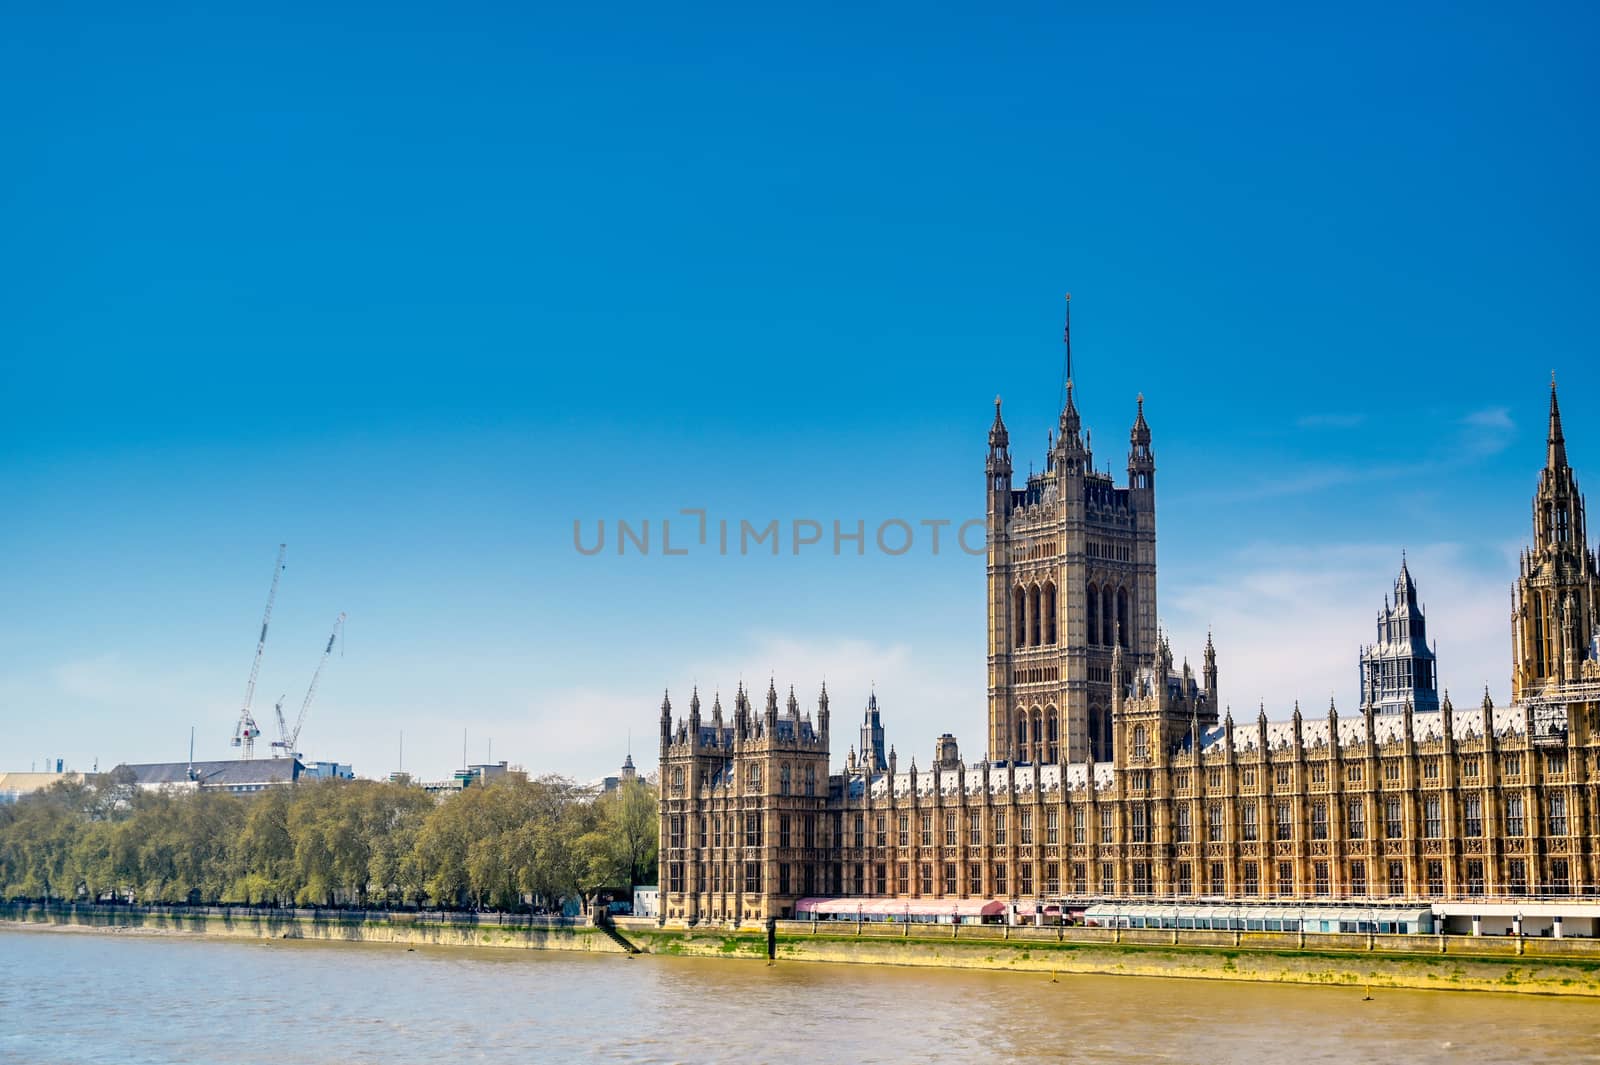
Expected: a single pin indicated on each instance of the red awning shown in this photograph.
(881, 907)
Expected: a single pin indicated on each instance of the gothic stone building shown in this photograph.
(1110, 772)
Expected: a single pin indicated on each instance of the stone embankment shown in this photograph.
(1460, 963)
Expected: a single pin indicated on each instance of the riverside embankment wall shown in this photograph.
(1538, 966)
(1506, 964)
(414, 929)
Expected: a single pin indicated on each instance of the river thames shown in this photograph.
(75, 997)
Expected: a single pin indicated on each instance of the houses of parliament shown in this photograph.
(1112, 771)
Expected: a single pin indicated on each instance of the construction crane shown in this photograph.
(245, 732)
(285, 746)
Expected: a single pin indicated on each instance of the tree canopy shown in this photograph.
(502, 845)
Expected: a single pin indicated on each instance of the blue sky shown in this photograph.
(415, 289)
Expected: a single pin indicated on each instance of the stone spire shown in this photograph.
(1556, 443)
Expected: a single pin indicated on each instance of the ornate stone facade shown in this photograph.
(1174, 798)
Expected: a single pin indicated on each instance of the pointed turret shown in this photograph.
(1071, 424)
(999, 439)
(741, 713)
(1211, 672)
(998, 465)
(1116, 680)
(769, 720)
(666, 718)
(1405, 589)
(872, 734)
(823, 715)
(1141, 460)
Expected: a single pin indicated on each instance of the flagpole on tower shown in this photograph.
(1066, 339)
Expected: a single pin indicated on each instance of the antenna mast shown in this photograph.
(245, 732)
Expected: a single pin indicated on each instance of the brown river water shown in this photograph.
(75, 997)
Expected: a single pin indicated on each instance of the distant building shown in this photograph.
(607, 785)
(14, 786)
(647, 901)
(1400, 669)
(237, 775)
(472, 775)
(327, 771)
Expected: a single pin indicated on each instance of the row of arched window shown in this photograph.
(752, 778)
(1038, 734)
(1108, 615)
(1035, 609)
(786, 780)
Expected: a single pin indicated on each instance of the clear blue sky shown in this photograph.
(413, 290)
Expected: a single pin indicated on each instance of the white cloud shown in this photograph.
(1289, 622)
(1489, 431)
(923, 690)
(584, 731)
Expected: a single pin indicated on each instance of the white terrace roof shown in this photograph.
(1386, 728)
(1017, 780)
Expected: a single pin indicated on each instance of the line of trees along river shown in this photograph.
(329, 843)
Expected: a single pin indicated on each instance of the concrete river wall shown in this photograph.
(1463, 963)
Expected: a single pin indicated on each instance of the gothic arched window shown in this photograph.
(1049, 600)
(753, 776)
(1034, 620)
(1052, 735)
(1141, 743)
(783, 779)
(1019, 596)
(1092, 612)
(1122, 616)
